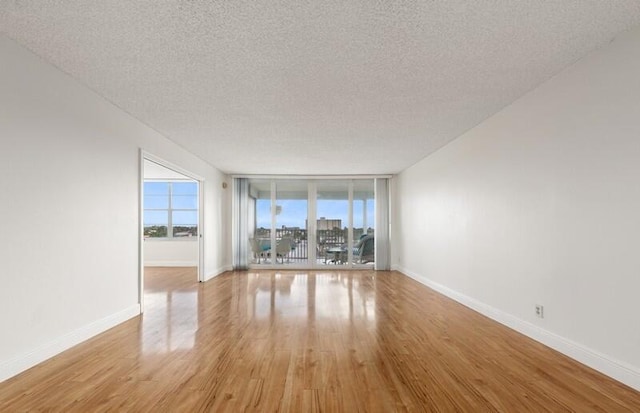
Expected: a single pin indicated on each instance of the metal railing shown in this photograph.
(326, 240)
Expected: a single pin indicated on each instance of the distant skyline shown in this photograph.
(293, 213)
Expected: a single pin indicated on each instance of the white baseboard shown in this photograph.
(218, 272)
(618, 370)
(171, 263)
(24, 361)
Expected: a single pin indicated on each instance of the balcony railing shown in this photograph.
(326, 240)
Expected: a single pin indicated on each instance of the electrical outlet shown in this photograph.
(539, 311)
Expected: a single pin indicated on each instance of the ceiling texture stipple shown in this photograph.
(313, 87)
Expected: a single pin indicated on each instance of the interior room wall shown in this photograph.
(167, 253)
(70, 185)
(540, 204)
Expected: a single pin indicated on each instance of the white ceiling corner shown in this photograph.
(314, 87)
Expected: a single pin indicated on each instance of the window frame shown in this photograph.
(170, 210)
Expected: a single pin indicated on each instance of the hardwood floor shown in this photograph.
(359, 341)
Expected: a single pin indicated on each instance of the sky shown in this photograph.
(293, 213)
(156, 202)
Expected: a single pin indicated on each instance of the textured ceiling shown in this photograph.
(313, 87)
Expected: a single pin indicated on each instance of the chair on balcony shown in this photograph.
(258, 251)
(364, 250)
(284, 248)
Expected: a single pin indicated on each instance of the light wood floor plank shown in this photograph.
(292, 341)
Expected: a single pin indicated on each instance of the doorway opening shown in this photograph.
(170, 220)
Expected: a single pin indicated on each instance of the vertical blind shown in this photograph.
(241, 224)
(382, 224)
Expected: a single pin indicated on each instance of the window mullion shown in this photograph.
(170, 212)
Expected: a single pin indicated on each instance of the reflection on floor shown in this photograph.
(298, 341)
(170, 321)
(291, 295)
(330, 261)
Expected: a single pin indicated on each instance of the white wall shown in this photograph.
(69, 185)
(167, 253)
(541, 204)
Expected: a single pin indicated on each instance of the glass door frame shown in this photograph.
(312, 230)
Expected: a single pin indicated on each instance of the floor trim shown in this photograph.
(613, 368)
(171, 264)
(218, 272)
(24, 361)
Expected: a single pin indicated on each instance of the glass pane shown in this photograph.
(185, 223)
(156, 224)
(332, 222)
(184, 218)
(363, 221)
(291, 222)
(184, 188)
(184, 195)
(155, 231)
(156, 217)
(156, 188)
(185, 231)
(156, 201)
(184, 201)
(259, 222)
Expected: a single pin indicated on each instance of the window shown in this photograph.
(311, 222)
(170, 209)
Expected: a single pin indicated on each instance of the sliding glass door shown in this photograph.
(311, 223)
(332, 222)
(364, 221)
(291, 222)
(260, 222)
